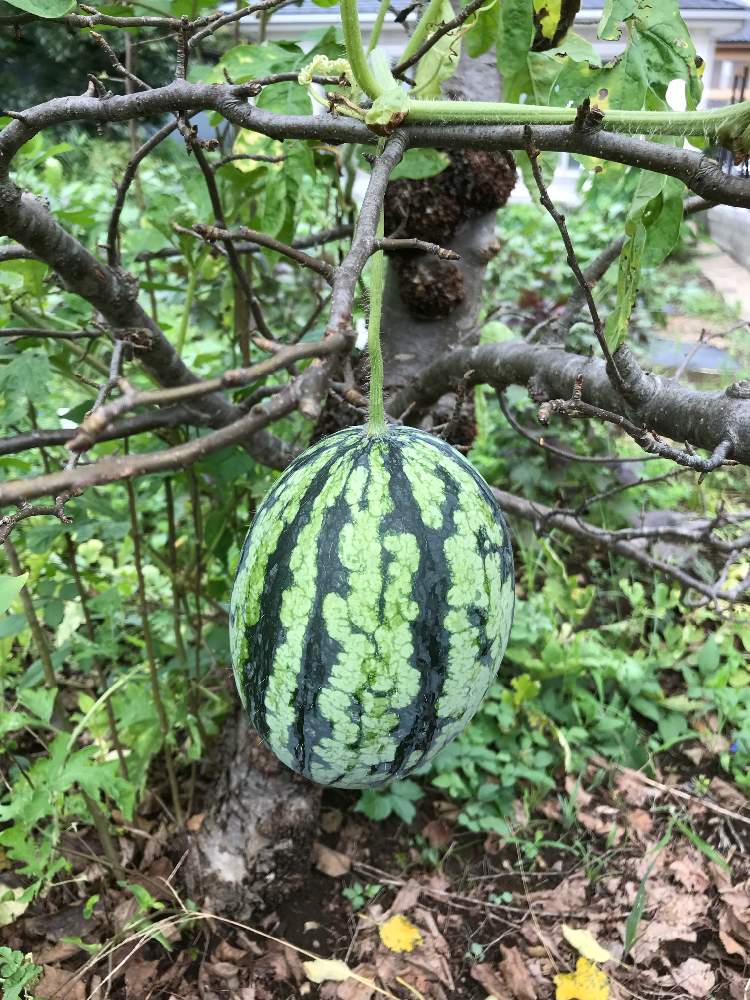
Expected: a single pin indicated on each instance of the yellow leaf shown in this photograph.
(398, 934)
(322, 970)
(586, 983)
(585, 944)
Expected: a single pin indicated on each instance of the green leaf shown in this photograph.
(43, 8)
(40, 701)
(514, 40)
(419, 163)
(441, 61)
(483, 33)
(10, 588)
(25, 378)
(615, 11)
(652, 229)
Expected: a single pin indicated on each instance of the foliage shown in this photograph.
(18, 973)
(602, 659)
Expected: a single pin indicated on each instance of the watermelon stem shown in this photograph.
(376, 425)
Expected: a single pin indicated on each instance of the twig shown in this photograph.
(649, 441)
(116, 468)
(113, 58)
(99, 419)
(553, 449)
(30, 331)
(575, 267)
(439, 33)
(412, 245)
(546, 518)
(113, 247)
(213, 233)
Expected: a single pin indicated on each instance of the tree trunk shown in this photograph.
(253, 848)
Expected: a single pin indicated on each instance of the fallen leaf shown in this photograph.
(56, 984)
(586, 983)
(226, 952)
(632, 788)
(195, 822)
(322, 970)
(690, 873)
(516, 975)
(406, 897)
(694, 977)
(437, 833)
(585, 944)
(10, 908)
(138, 975)
(731, 946)
(58, 952)
(640, 822)
(728, 796)
(399, 934)
(581, 798)
(352, 989)
(330, 862)
(331, 820)
(487, 978)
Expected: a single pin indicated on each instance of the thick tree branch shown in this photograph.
(704, 419)
(113, 293)
(702, 175)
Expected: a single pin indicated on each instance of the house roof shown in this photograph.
(370, 7)
(741, 37)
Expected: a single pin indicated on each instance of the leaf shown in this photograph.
(12, 905)
(417, 164)
(586, 983)
(24, 378)
(399, 934)
(440, 62)
(484, 29)
(322, 970)
(10, 588)
(43, 8)
(585, 944)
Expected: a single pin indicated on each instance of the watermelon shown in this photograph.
(371, 606)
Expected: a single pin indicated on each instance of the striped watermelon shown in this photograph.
(371, 607)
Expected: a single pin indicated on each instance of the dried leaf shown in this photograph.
(138, 975)
(322, 970)
(57, 983)
(195, 822)
(586, 983)
(437, 833)
(731, 946)
(516, 975)
(399, 934)
(690, 873)
(696, 978)
(330, 862)
(486, 976)
(585, 944)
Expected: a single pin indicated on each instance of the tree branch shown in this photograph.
(546, 518)
(702, 175)
(705, 419)
(110, 470)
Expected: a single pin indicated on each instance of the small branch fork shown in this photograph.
(648, 440)
(575, 267)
